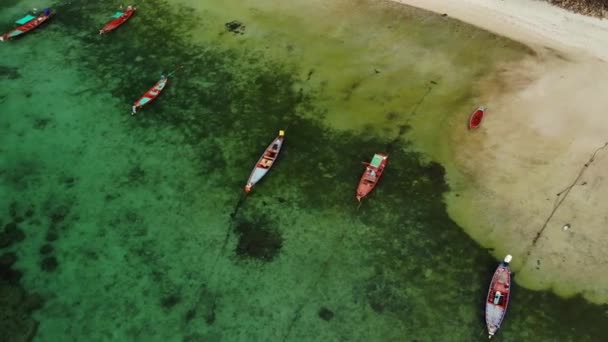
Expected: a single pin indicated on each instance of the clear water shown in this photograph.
(136, 227)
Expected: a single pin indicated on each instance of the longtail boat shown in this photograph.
(27, 23)
(371, 175)
(476, 117)
(266, 161)
(119, 19)
(151, 94)
(498, 296)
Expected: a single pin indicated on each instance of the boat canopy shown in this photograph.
(117, 14)
(497, 296)
(377, 160)
(25, 19)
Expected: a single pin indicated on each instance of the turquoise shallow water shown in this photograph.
(135, 228)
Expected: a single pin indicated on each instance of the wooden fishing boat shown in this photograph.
(266, 161)
(371, 175)
(119, 19)
(477, 117)
(151, 94)
(498, 296)
(27, 23)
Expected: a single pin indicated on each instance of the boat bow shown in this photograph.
(266, 161)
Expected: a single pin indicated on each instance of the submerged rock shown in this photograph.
(29, 212)
(190, 314)
(258, 240)
(7, 273)
(16, 323)
(51, 236)
(326, 314)
(46, 249)
(9, 72)
(11, 234)
(8, 259)
(170, 301)
(59, 214)
(49, 264)
(235, 27)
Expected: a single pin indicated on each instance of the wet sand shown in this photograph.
(538, 162)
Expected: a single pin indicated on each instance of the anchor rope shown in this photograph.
(560, 199)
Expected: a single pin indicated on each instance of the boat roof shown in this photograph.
(25, 19)
(376, 160)
(117, 14)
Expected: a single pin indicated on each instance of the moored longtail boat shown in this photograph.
(371, 175)
(477, 117)
(266, 161)
(119, 19)
(27, 24)
(151, 94)
(498, 296)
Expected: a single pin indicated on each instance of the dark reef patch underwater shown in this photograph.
(16, 304)
(123, 224)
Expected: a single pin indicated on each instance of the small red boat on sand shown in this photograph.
(372, 174)
(477, 117)
(266, 161)
(498, 296)
(27, 23)
(119, 19)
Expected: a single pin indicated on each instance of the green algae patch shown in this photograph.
(370, 64)
(146, 214)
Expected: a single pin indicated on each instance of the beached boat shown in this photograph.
(476, 117)
(119, 19)
(266, 161)
(498, 296)
(27, 23)
(151, 94)
(372, 174)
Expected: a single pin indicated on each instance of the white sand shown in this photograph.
(529, 21)
(547, 117)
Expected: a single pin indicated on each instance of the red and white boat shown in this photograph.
(27, 24)
(477, 117)
(266, 161)
(119, 19)
(372, 174)
(151, 94)
(498, 296)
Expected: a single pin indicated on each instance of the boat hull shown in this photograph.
(114, 24)
(27, 27)
(265, 162)
(498, 297)
(150, 95)
(477, 117)
(371, 175)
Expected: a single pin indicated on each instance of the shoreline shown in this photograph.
(536, 23)
(546, 119)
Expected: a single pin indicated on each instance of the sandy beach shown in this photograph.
(531, 181)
